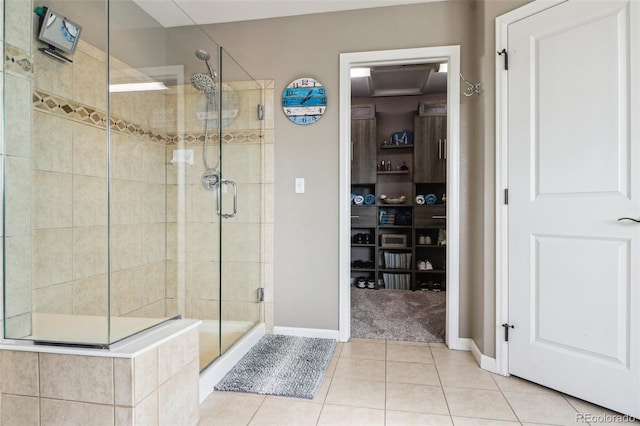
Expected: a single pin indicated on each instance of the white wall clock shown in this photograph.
(304, 101)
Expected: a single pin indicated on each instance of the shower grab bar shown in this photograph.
(235, 198)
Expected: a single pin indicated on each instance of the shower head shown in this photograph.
(203, 83)
(203, 55)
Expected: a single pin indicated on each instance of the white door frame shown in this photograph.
(450, 54)
(502, 176)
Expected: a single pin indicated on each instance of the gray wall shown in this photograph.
(306, 225)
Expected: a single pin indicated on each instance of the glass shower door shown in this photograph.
(241, 207)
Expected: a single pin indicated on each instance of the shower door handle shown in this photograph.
(235, 198)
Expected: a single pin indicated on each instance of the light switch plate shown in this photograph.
(299, 185)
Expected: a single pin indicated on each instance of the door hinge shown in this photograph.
(260, 294)
(506, 330)
(506, 58)
(260, 112)
(506, 195)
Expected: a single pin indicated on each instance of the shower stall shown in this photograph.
(134, 178)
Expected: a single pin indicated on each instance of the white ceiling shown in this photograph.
(175, 13)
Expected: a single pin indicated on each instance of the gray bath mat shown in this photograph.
(281, 365)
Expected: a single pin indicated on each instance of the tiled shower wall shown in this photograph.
(57, 215)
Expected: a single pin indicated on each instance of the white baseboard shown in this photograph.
(307, 332)
(460, 344)
(485, 362)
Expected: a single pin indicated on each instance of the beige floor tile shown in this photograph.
(403, 418)
(333, 415)
(485, 404)
(363, 350)
(516, 384)
(229, 408)
(366, 369)
(416, 398)
(321, 395)
(409, 353)
(361, 340)
(542, 408)
(603, 416)
(356, 393)
(412, 372)
(466, 377)
(468, 421)
(445, 356)
(286, 411)
(331, 368)
(439, 345)
(400, 342)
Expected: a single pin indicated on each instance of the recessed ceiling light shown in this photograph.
(360, 72)
(137, 87)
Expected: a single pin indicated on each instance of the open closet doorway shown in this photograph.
(402, 245)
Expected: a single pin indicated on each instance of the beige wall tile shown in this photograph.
(18, 96)
(123, 381)
(65, 413)
(18, 196)
(18, 326)
(126, 290)
(204, 241)
(89, 150)
(55, 299)
(126, 157)
(127, 202)
(89, 80)
(176, 354)
(178, 397)
(90, 295)
(18, 24)
(52, 200)
(145, 374)
(124, 416)
(89, 201)
(147, 412)
(24, 408)
(77, 378)
(241, 281)
(52, 257)
(243, 162)
(204, 280)
(241, 311)
(154, 242)
(204, 309)
(154, 203)
(90, 250)
(20, 373)
(241, 242)
(154, 163)
(154, 283)
(18, 276)
(52, 141)
(126, 246)
(53, 76)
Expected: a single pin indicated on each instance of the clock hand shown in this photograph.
(306, 98)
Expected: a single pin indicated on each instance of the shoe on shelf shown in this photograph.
(361, 282)
(368, 264)
(422, 265)
(426, 286)
(371, 283)
(367, 238)
(428, 266)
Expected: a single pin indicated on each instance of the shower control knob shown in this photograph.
(210, 179)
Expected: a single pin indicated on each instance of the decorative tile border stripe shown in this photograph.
(78, 112)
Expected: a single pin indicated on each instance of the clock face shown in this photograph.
(304, 101)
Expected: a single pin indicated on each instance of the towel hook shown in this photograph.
(472, 89)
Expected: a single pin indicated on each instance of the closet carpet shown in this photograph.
(410, 316)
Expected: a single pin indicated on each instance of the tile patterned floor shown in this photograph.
(389, 383)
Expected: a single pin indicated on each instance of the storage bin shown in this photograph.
(397, 281)
(394, 260)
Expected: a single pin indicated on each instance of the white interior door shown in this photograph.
(574, 166)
